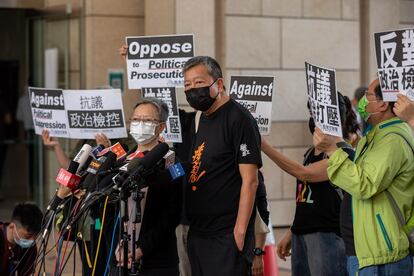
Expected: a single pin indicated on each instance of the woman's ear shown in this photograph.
(161, 127)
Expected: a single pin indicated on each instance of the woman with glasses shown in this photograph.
(156, 245)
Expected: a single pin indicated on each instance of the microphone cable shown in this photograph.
(100, 236)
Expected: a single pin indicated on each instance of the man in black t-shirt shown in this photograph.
(222, 184)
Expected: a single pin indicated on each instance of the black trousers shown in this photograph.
(168, 271)
(219, 255)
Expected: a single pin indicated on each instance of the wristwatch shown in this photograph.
(258, 251)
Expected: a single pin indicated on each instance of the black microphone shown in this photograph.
(104, 163)
(121, 176)
(146, 163)
(82, 169)
(96, 150)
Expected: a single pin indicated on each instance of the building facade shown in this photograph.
(247, 37)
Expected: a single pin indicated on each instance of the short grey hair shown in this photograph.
(213, 67)
(162, 107)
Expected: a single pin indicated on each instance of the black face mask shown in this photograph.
(199, 98)
(311, 125)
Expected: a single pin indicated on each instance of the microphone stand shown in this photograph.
(137, 197)
(125, 193)
(136, 181)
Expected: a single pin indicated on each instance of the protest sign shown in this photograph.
(255, 94)
(323, 99)
(48, 111)
(157, 61)
(78, 113)
(93, 111)
(395, 62)
(172, 132)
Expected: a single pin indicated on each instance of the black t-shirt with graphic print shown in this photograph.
(225, 139)
(317, 204)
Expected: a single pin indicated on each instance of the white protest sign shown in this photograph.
(255, 94)
(92, 111)
(48, 111)
(157, 61)
(395, 62)
(323, 99)
(172, 132)
(81, 113)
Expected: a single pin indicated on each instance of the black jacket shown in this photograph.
(163, 204)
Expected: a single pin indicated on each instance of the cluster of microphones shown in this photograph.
(94, 174)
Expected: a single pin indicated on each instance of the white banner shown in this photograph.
(255, 93)
(78, 114)
(157, 61)
(323, 99)
(395, 62)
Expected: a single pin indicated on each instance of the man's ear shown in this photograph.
(384, 106)
(220, 84)
(12, 226)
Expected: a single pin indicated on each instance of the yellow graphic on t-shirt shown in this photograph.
(195, 175)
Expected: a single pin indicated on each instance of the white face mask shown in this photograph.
(143, 133)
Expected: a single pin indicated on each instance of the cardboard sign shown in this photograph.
(255, 93)
(323, 99)
(48, 111)
(157, 61)
(395, 62)
(79, 114)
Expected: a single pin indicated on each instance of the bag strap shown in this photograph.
(306, 155)
(395, 207)
(394, 204)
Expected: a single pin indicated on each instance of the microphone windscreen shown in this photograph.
(73, 167)
(154, 155)
(83, 154)
(125, 147)
(109, 161)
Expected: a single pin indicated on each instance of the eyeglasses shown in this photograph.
(145, 121)
(369, 94)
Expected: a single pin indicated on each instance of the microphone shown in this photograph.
(120, 177)
(82, 169)
(82, 155)
(177, 170)
(96, 167)
(91, 158)
(68, 178)
(96, 150)
(146, 163)
(119, 149)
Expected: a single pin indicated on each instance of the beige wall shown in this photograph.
(267, 37)
(275, 38)
(105, 25)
